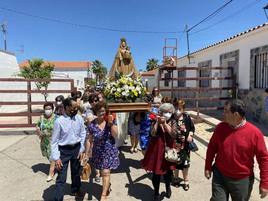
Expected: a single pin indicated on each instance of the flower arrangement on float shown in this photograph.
(125, 89)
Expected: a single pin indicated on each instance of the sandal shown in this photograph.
(97, 179)
(186, 187)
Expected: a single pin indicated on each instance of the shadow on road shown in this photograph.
(41, 167)
(49, 193)
(137, 190)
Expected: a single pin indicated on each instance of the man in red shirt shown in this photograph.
(234, 144)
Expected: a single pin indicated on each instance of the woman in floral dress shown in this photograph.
(187, 130)
(44, 129)
(105, 155)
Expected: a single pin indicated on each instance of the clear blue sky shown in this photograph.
(62, 42)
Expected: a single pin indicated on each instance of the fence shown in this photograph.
(199, 88)
(29, 103)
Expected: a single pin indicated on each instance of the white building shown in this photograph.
(148, 78)
(246, 53)
(76, 70)
(8, 64)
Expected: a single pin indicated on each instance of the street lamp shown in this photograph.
(266, 8)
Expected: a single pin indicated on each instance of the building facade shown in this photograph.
(8, 64)
(246, 53)
(76, 70)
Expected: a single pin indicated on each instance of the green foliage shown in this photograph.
(151, 64)
(91, 82)
(38, 69)
(99, 70)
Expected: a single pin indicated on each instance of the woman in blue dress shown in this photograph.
(105, 155)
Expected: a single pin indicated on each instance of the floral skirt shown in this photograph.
(45, 147)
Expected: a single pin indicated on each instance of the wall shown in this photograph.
(77, 76)
(238, 52)
(150, 81)
(8, 64)
(243, 43)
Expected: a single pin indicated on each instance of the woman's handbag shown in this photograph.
(193, 147)
(86, 171)
(171, 154)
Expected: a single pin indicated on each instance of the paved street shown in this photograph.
(23, 175)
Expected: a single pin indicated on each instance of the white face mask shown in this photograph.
(178, 113)
(167, 115)
(87, 105)
(58, 102)
(48, 112)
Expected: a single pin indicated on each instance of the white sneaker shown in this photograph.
(49, 178)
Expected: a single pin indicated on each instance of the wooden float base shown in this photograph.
(129, 107)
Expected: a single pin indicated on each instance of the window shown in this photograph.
(261, 71)
(181, 83)
(205, 73)
(167, 79)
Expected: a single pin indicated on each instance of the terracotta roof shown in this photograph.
(64, 64)
(230, 38)
(149, 73)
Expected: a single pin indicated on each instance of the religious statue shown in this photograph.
(123, 63)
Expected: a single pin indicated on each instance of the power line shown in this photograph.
(211, 15)
(86, 25)
(226, 18)
(206, 18)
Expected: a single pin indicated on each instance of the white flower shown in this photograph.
(127, 91)
(123, 93)
(138, 88)
(118, 89)
(126, 87)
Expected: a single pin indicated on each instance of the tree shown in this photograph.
(152, 64)
(38, 69)
(99, 70)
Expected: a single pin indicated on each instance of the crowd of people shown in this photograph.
(80, 128)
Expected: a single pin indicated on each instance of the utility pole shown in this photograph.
(188, 44)
(203, 20)
(4, 30)
(266, 8)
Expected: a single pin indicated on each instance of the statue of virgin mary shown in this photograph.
(123, 62)
(123, 65)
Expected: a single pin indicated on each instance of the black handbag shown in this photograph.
(193, 147)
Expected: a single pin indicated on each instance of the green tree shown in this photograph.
(99, 70)
(38, 69)
(151, 64)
